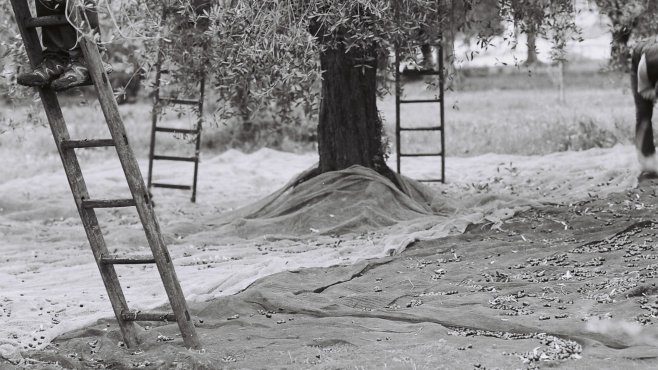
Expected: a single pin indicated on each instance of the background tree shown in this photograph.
(528, 16)
(473, 21)
(627, 18)
(283, 49)
(554, 20)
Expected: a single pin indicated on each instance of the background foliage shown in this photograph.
(262, 60)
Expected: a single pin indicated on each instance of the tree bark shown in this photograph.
(428, 57)
(619, 53)
(350, 131)
(453, 76)
(532, 47)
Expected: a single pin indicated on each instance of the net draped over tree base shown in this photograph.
(358, 201)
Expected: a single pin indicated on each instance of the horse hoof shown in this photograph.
(648, 175)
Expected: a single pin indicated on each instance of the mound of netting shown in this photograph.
(360, 201)
(354, 200)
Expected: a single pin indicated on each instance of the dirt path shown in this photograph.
(570, 287)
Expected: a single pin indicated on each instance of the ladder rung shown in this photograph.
(428, 72)
(174, 158)
(112, 203)
(176, 130)
(420, 101)
(170, 186)
(417, 72)
(49, 20)
(126, 260)
(429, 128)
(180, 101)
(148, 316)
(439, 154)
(87, 83)
(87, 143)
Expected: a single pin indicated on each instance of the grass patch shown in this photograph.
(526, 121)
(480, 118)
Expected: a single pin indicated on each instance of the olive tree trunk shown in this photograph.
(532, 47)
(350, 131)
(619, 52)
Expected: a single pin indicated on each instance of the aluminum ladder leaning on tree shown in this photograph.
(86, 205)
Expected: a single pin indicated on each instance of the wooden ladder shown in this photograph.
(158, 103)
(87, 205)
(440, 126)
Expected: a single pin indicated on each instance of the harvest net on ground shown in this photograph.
(237, 233)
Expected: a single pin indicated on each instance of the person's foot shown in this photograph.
(46, 72)
(76, 74)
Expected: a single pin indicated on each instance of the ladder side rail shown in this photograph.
(136, 182)
(398, 91)
(156, 102)
(442, 109)
(199, 127)
(74, 176)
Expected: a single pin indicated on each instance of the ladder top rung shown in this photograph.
(49, 20)
(112, 203)
(171, 186)
(426, 128)
(174, 158)
(439, 154)
(420, 72)
(86, 143)
(176, 130)
(180, 101)
(407, 101)
(113, 259)
(148, 316)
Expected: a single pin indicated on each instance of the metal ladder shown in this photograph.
(441, 118)
(87, 205)
(158, 103)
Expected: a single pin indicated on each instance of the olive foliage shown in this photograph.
(627, 19)
(263, 54)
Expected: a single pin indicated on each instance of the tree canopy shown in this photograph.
(628, 18)
(265, 53)
(273, 45)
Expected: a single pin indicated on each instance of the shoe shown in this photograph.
(76, 74)
(47, 71)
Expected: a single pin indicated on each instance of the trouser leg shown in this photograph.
(56, 40)
(643, 125)
(60, 41)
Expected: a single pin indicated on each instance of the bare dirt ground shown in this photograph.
(568, 286)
